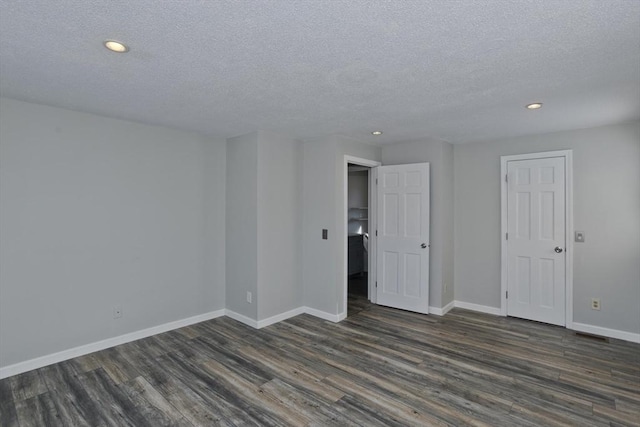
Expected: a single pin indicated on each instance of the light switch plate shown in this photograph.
(579, 236)
(325, 234)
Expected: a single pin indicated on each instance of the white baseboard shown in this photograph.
(50, 359)
(477, 307)
(242, 318)
(324, 315)
(40, 362)
(284, 316)
(606, 332)
(280, 317)
(442, 311)
(579, 327)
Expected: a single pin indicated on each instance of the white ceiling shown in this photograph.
(459, 71)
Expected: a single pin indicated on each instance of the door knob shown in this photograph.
(423, 246)
(558, 249)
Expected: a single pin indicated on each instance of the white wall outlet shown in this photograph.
(249, 297)
(117, 312)
(595, 304)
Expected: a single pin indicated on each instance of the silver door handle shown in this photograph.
(558, 249)
(423, 246)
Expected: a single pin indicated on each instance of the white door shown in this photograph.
(536, 239)
(403, 237)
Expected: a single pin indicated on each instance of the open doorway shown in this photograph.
(359, 244)
(357, 237)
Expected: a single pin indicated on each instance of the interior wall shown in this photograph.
(97, 213)
(214, 262)
(323, 208)
(606, 207)
(318, 259)
(263, 224)
(439, 155)
(278, 239)
(447, 224)
(242, 224)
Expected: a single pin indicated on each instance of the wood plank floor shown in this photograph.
(379, 367)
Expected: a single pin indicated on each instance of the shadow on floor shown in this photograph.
(357, 294)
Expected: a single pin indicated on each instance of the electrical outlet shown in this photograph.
(595, 304)
(249, 297)
(117, 312)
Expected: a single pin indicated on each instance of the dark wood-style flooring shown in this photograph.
(379, 367)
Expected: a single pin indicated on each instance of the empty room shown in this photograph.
(319, 213)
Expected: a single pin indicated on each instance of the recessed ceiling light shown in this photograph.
(376, 132)
(116, 46)
(534, 106)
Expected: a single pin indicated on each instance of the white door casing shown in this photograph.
(372, 164)
(536, 239)
(403, 237)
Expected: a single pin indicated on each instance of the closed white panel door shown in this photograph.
(403, 237)
(536, 239)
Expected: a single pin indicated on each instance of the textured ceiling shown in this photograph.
(459, 71)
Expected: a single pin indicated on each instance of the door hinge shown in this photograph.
(506, 178)
(507, 294)
(376, 284)
(376, 232)
(376, 181)
(506, 236)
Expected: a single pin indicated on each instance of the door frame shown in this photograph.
(568, 172)
(372, 212)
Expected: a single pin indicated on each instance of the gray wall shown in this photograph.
(215, 160)
(323, 207)
(279, 221)
(319, 263)
(96, 212)
(606, 207)
(440, 157)
(242, 224)
(447, 224)
(263, 224)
